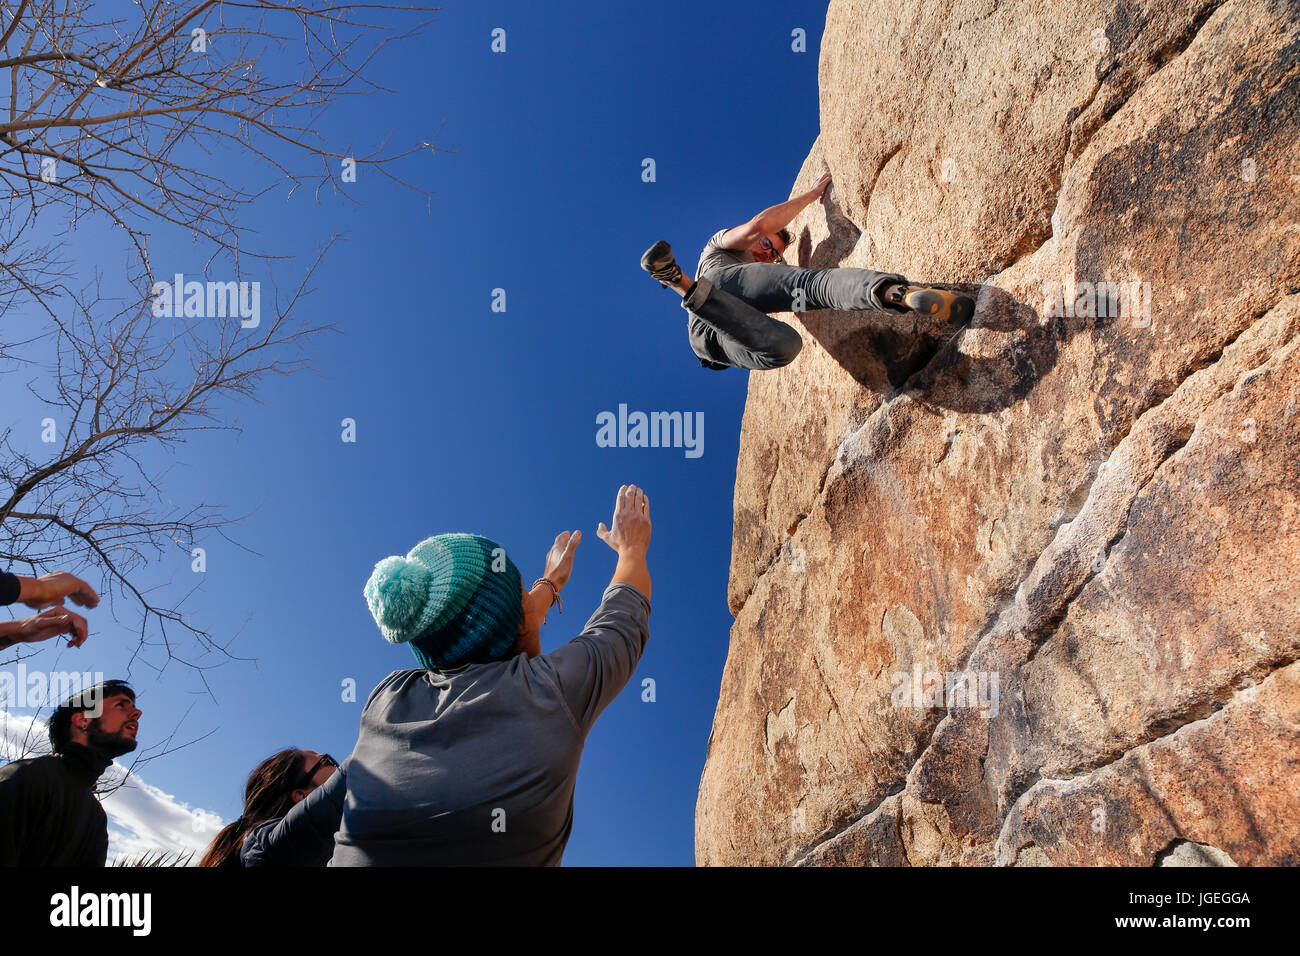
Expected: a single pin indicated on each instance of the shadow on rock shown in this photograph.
(888, 351)
(1025, 349)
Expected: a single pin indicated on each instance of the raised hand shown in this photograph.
(49, 623)
(51, 589)
(630, 533)
(559, 560)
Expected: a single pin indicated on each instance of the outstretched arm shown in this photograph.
(48, 592)
(774, 218)
(596, 665)
(558, 567)
(630, 538)
(41, 627)
(51, 589)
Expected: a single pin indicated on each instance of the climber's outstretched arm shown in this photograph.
(774, 218)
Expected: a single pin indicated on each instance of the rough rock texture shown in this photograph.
(1096, 516)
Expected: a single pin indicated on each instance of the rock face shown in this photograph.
(1028, 595)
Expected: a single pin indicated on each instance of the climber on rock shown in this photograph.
(742, 276)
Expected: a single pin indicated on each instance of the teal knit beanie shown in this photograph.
(455, 598)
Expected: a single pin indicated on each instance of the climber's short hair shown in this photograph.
(785, 237)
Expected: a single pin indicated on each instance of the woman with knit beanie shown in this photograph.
(471, 758)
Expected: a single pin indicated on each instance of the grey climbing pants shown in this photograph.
(729, 326)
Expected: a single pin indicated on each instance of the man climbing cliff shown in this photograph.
(742, 276)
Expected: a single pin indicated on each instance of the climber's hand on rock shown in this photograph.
(819, 187)
(630, 531)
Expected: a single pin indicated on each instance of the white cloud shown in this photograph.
(141, 817)
(22, 736)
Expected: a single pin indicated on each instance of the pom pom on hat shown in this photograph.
(397, 593)
(454, 599)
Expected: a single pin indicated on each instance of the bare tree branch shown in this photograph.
(108, 116)
(121, 384)
(124, 114)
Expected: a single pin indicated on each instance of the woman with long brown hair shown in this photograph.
(293, 802)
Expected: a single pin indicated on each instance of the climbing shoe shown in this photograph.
(952, 307)
(659, 262)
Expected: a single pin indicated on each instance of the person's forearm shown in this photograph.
(9, 634)
(631, 569)
(543, 599)
(776, 218)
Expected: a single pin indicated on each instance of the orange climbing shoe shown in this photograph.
(944, 305)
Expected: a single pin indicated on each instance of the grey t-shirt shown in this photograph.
(715, 257)
(476, 765)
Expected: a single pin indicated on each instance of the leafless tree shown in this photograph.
(128, 114)
(125, 114)
(122, 382)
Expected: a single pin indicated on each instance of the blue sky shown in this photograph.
(473, 420)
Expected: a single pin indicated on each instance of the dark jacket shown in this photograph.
(305, 835)
(48, 812)
(10, 588)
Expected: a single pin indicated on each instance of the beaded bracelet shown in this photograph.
(555, 592)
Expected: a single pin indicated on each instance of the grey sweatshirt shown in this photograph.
(476, 765)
